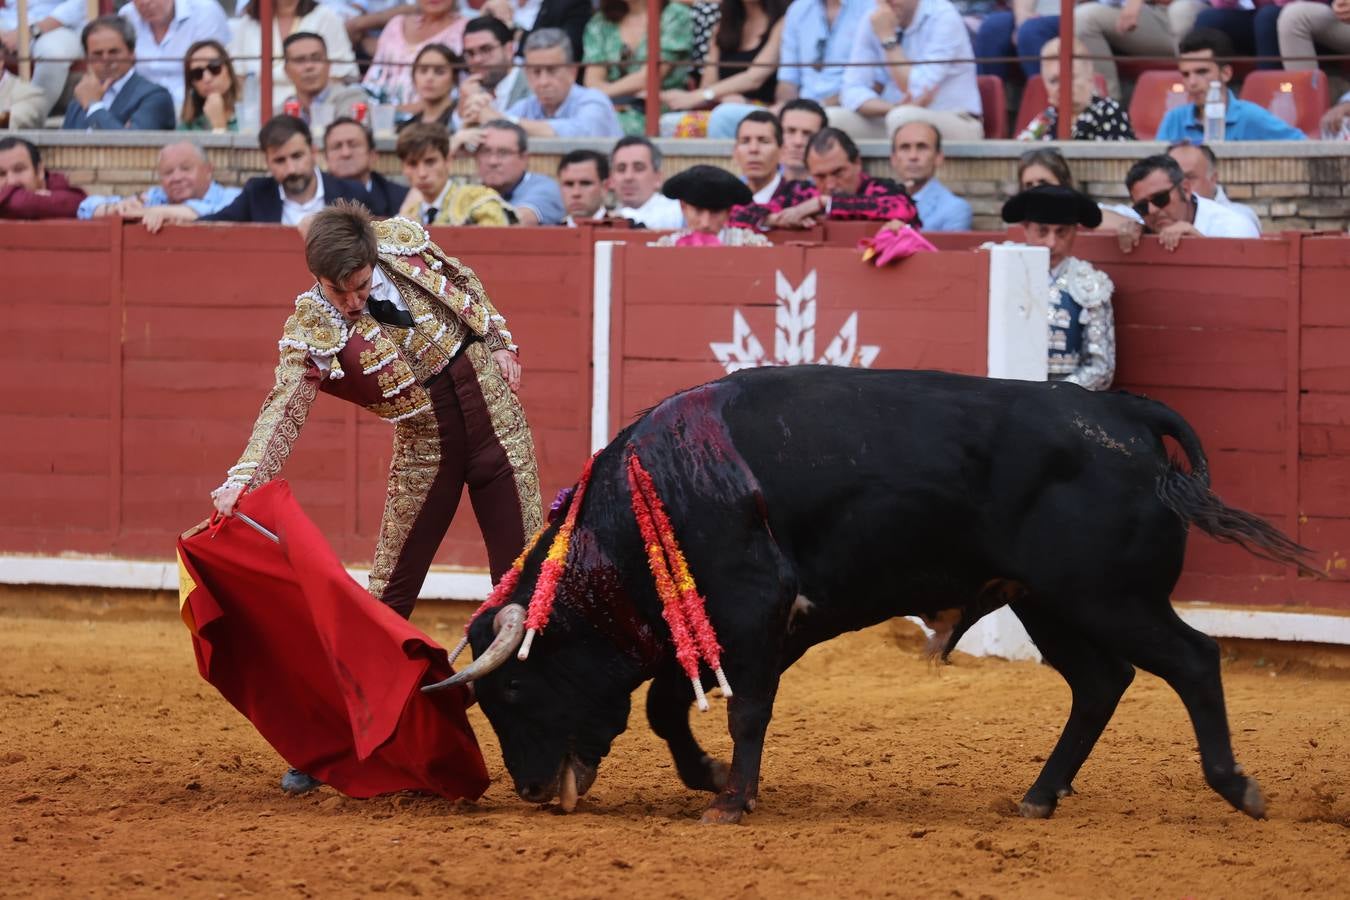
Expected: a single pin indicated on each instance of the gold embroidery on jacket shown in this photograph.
(416, 460)
(513, 433)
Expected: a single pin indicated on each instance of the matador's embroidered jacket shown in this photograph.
(378, 366)
(1082, 326)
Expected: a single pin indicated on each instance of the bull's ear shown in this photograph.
(509, 623)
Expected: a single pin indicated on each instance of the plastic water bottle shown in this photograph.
(1214, 110)
(1284, 106)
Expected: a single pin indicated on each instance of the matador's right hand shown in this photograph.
(226, 498)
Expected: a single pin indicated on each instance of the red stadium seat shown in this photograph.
(1311, 93)
(1155, 93)
(995, 104)
(1035, 99)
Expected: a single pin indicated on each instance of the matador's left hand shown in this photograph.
(509, 363)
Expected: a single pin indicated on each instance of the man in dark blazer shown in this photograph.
(349, 152)
(111, 96)
(296, 188)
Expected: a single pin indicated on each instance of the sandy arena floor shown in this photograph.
(123, 773)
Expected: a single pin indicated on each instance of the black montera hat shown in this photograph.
(707, 187)
(1052, 204)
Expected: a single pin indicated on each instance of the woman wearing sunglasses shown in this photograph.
(211, 91)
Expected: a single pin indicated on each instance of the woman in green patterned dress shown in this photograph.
(616, 54)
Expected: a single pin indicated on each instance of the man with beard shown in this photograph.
(349, 152)
(296, 188)
(187, 189)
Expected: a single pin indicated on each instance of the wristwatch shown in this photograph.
(894, 41)
(708, 95)
(35, 31)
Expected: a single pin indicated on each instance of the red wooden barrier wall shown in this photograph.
(142, 360)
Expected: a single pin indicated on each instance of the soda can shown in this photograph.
(359, 111)
(292, 108)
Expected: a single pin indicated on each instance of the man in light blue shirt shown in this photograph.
(54, 26)
(557, 106)
(187, 189)
(165, 29)
(1200, 62)
(887, 84)
(817, 40)
(503, 158)
(916, 155)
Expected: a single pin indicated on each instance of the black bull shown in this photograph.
(814, 501)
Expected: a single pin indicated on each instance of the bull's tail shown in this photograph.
(1186, 491)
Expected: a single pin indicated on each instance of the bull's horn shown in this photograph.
(509, 624)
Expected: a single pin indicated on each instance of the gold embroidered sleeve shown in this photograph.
(278, 425)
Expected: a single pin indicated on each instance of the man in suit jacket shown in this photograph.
(349, 151)
(295, 189)
(111, 96)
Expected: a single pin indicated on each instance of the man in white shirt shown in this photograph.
(1172, 212)
(635, 177)
(582, 175)
(494, 81)
(889, 82)
(165, 29)
(1201, 170)
(759, 143)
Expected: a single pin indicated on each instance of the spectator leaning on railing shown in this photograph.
(22, 105)
(187, 189)
(165, 29)
(1305, 26)
(1172, 212)
(28, 190)
(111, 96)
(1203, 59)
(54, 27)
(1200, 171)
(889, 82)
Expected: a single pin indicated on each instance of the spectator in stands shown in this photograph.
(165, 29)
(582, 175)
(501, 150)
(1046, 165)
(1204, 59)
(1172, 212)
(557, 106)
(524, 17)
(210, 89)
(365, 19)
(187, 189)
(706, 195)
(111, 96)
(801, 119)
(22, 104)
(490, 51)
(817, 40)
(1305, 26)
(1200, 176)
(310, 71)
(1020, 31)
(839, 189)
(54, 26)
(28, 190)
(887, 83)
(1336, 121)
(349, 151)
(294, 188)
(635, 167)
(759, 142)
(290, 17)
(389, 78)
(1110, 28)
(619, 68)
(434, 71)
(436, 198)
(1082, 324)
(916, 155)
(1251, 26)
(740, 67)
(1096, 118)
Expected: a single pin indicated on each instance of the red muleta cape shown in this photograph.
(327, 674)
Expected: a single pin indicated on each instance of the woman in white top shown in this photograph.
(288, 17)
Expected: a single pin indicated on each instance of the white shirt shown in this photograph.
(764, 194)
(110, 95)
(659, 213)
(937, 32)
(292, 212)
(1216, 220)
(1245, 211)
(162, 63)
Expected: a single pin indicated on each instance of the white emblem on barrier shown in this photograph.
(794, 335)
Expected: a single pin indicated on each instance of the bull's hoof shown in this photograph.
(1030, 809)
(718, 772)
(1253, 801)
(716, 815)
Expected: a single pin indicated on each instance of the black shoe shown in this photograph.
(297, 782)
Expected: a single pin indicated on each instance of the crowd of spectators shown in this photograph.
(577, 68)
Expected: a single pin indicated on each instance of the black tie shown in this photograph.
(431, 215)
(386, 313)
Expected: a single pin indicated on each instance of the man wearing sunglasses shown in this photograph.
(165, 29)
(1169, 210)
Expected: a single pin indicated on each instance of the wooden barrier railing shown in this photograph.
(141, 361)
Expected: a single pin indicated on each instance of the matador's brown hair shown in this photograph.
(340, 241)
